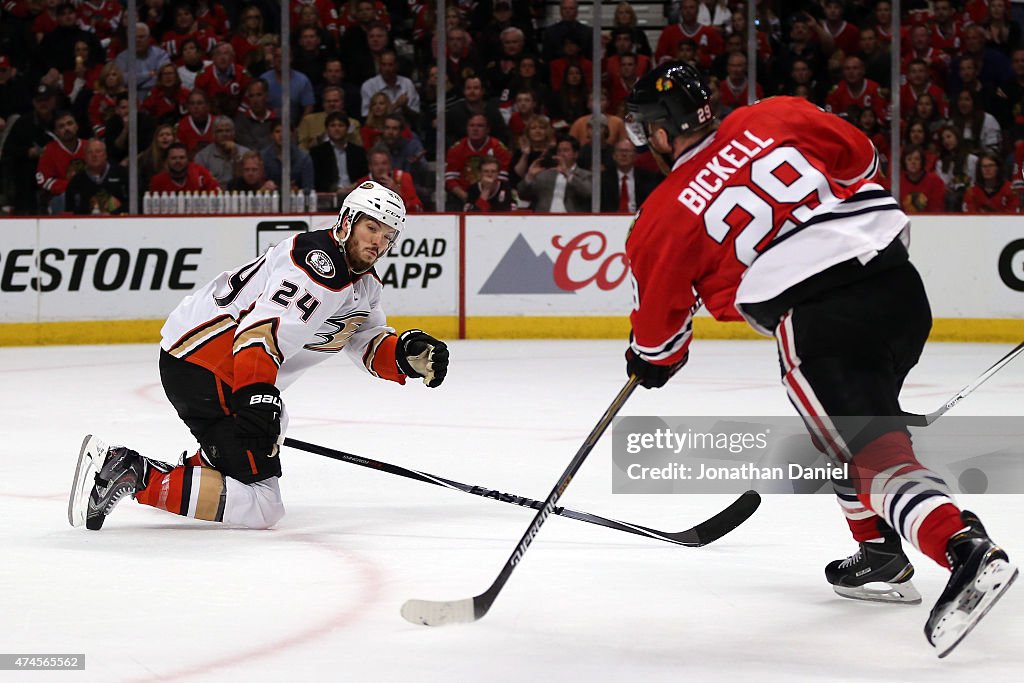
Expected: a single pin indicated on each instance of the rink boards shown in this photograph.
(103, 280)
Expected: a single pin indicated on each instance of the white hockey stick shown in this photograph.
(915, 420)
(444, 612)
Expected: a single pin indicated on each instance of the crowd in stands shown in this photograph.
(517, 111)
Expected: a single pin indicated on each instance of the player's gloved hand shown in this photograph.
(257, 410)
(651, 376)
(420, 355)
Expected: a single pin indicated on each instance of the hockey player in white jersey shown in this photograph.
(230, 348)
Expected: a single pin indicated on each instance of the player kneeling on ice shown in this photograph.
(774, 216)
(231, 347)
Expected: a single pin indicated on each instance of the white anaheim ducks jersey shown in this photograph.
(278, 315)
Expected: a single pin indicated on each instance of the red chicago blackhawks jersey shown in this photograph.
(869, 96)
(225, 89)
(709, 43)
(734, 97)
(101, 18)
(325, 10)
(172, 42)
(780, 192)
(282, 313)
(463, 162)
(197, 179)
(1003, 200)
(193, 135)
(58, 165)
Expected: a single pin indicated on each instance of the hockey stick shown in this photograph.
(706, 532)
(914, 420)
(441, 613)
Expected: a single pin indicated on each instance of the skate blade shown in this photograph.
(972, 604)
(90, 460)
(880, 591)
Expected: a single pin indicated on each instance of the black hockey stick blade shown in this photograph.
(915, 420)
(700, 535)
(710, 530)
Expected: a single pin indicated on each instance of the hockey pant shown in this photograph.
(844, 355)
(221, 482)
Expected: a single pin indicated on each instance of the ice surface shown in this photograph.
(158, 597)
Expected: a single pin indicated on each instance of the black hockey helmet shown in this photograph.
(672, 96)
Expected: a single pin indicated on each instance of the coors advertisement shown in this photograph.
(560, 265)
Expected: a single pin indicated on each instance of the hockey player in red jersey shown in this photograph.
(231, 347)
(773, 216)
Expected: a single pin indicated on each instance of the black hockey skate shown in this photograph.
(97, 489)
(877, 571)
(981, 573)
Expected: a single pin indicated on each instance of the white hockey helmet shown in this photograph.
(375, 201)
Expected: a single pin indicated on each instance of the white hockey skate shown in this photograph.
(90, 460)
(981, 574)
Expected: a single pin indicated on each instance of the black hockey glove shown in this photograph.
(651, 376)
(420, 355)
(257, 409)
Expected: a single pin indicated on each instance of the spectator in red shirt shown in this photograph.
(917, 136)
(921, 191)
(622, 45)
(976, 10)
(247, 38)
(921, 48)
(224, 81)
(104, 100)
(991, 192)
(733, 89)
(490, 193)
(571, 56)
(620, 87)
(868, 122)
(464, 157)
(61, 159)
(195, 130)
(845, 36)
(212, 18)
(395, 180)
(945, 29)
(167, 101)
(918, 83)
(738, 26)
(185, 27)
(182, 175)
(708, 39)
(524, 109)
(100, 17)
(855, 90)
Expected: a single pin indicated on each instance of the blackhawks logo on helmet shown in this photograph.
(663, 84)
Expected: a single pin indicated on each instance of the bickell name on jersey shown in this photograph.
(317, 308)
(710, 180)
(755, 211)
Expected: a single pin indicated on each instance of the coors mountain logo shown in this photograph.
(521, 271)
